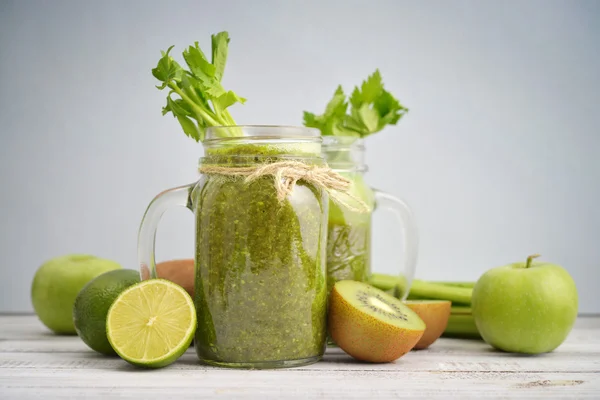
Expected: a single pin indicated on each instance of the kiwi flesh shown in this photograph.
(371, 325)
(435, 314)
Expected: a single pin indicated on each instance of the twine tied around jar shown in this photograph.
(287, 173)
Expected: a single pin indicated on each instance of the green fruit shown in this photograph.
(92, 304)
(56, 284)
(152, 323)
(525, 307)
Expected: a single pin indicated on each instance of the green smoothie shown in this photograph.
(349, 237)
(261, 290)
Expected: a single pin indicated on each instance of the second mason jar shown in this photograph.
(349, 237)
(260, 259)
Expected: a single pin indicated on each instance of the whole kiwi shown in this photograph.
(179, 271)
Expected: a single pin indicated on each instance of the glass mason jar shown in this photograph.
(349, 232)
(260, 261)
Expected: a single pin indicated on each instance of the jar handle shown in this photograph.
(179, 196)
(406, 219)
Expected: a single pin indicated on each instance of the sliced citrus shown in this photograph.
(151, 324)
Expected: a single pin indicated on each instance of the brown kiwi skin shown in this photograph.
(435, 314)
(366, 338)
(179, 271)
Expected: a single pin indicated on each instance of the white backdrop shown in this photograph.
(499, 154)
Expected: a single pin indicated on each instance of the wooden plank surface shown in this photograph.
(37, 364)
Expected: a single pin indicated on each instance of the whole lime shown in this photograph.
(93, 302)
(56, 284)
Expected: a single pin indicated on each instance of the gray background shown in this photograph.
(499, 155)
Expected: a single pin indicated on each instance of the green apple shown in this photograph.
(525, 307)
(57, 283)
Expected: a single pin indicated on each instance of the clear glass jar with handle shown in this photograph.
(260, 260)
(349, 232)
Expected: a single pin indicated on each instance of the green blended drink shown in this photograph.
(260, 289)
(349, 236)
(349, 231)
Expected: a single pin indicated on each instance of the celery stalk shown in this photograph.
(460, 310)
(422, 290)
(384, 282)
(437, 291)
(461, 326)
(456, 284)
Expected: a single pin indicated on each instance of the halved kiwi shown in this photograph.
(371, 325)
(435, 314)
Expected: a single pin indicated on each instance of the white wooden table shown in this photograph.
(37, 364)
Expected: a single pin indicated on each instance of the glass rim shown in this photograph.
(331, 142)
(272, 132)
(236, 159)
(347, 167)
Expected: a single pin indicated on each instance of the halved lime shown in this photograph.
(151, 324)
